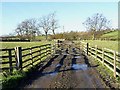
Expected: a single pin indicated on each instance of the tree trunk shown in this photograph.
(93, 36)
(53, 34)
(46, 35)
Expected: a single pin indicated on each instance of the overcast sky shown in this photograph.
(71, 15)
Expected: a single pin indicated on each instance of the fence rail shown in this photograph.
(22, 58)
(108, 57)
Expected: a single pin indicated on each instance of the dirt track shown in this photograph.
(68, 69)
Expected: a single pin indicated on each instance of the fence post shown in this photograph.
(87, 48)
(96, 51)
(40, 52)
(50, 50)
(103, 55)
(90, 50)
(53, 48)
(10, 60)
(46, 49)
(18, 51)
(31, 56)
(114, 64)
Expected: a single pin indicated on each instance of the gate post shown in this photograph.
(10, 61)
(18, 51)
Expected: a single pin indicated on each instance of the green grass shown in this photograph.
(22, 44)
(113, 45)
(42, 38)
(111, 35)
(105, 73)
(12, 80)
(8, 45)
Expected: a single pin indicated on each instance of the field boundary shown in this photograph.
(22, 58)
(108, 57)
(19, 58)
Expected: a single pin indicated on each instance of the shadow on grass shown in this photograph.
(87, 62)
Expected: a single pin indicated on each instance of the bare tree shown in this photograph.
(96, 23)
(45, 24)
(53, 22)
(27, 29)
(48, 23)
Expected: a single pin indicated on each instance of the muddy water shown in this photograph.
(80, 66)
(65, 71)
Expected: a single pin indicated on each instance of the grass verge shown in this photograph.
(13, 81)
(105, 74)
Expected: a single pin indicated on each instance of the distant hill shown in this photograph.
(103, 35)
(113, 35)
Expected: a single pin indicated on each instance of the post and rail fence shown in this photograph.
(22, 58)
(19, 58)
(108, 57)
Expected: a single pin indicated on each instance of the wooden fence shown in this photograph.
(22, 58)
(108, 57)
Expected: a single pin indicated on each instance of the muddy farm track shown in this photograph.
(68, 68)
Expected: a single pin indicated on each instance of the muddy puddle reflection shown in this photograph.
(79, 66)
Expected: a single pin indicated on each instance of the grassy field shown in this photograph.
(113, 45)
(12, 80)
(111, 35)
(22, 44)
(42, 38)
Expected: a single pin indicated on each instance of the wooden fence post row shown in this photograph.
(18, 56)
(103, 55)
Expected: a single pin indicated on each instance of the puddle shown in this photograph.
(58, 65)
(77, 57)
(50, 73)
(80, 66)
(53, 73)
